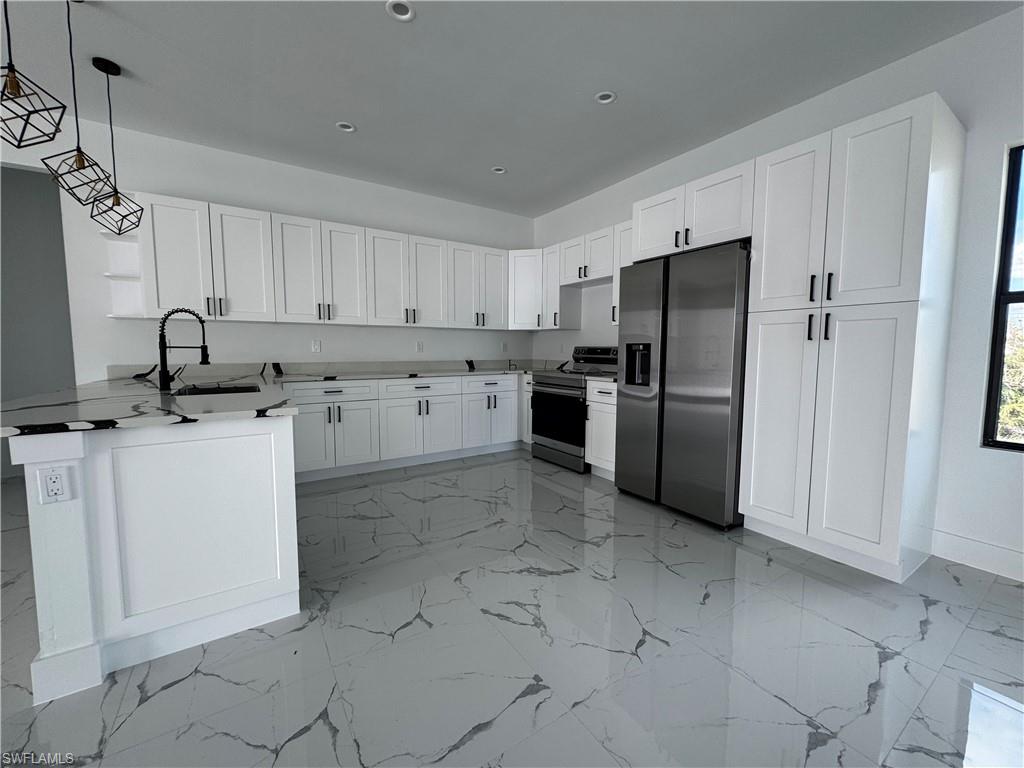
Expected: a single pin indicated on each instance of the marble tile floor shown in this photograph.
(499, 611)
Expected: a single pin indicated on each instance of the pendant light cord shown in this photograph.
(7, 26)
(110, 118)
(74, 88)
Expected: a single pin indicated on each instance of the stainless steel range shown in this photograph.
(560, 405)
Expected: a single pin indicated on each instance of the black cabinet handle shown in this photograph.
(414, 315)
(587, 412)
(220, 306)
(333, 391)
(686, 236)
(488, 402)
(579, 272)
(675, 242)
(490, 383)
(328, 414)
(421, 386)
(810, 323)
(613, 313)
(828, 287)
(538, 319)
(556, 319)
(406, 310)
(208, 310)
(814, 279)
(339, 413)
(828, 315)
(483, 319)
(428, 406)
(319, 311)
(476, 319)
(328, 306)
(419, 407)
(586, 270)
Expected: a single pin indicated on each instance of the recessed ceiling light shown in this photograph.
(345, 126)
(400, 10)
(605, 97)
(499, 169)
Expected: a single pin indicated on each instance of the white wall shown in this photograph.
(596, 327)
(980, 516)
(164, 166)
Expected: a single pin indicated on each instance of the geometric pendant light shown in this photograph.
(115, 212)
(29, 114)
(77, 173)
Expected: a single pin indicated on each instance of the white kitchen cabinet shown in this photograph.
(442, 423)
(493, 288)
(599, 442)
(356, 432)
(788, 239)
(878, 187)
(243, 264)
(429, 282)
(525, 290)
(504, 417)
(526, 409)
(175, 258)
(489, 418)
(387, 278)
(623, 257)
(658, 224)
(401, 427)
(719, 207)
(572, 254)
(344, 273)
(778, 416)
(298, 269)
(313, 430)
(865, 365)
(552, 287)
(599, 253)
(464, 279)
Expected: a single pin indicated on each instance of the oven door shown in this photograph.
(560, 418)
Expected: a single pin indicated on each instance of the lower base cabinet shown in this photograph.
(599, 447)
(442, 423)
(401, 427)
(489, 418)
(526, 410)
(336, 435)
(314, 437)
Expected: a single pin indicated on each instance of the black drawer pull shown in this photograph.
(810, 322)
(828, 316)
(333, 391)
(421, 386)
(811, 297)
(686, 236)
(828, 287)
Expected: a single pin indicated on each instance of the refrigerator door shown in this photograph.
(704, 342)
(638, 409)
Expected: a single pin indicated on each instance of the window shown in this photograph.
(1004, 415)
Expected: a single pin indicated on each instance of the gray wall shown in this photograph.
(35, 351)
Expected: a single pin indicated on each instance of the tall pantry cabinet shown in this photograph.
(853, 245)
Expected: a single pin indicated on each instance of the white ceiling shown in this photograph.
(466, 86)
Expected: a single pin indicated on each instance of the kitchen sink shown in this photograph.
(215, 389)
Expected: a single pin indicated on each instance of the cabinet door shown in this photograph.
(599, 253)
(387, 278)
(493, 288)
(476, 420)
(429, 279)
(401, 428)
(658, 224)
(442, 423)
(298, 269)
(356, 432)
(623, 258)
(174, 244)
(344, 258)
(243, 263)
(788, 240)
(861, 425)
(552, 287)
(525, 286)
(719, 207)
(876, 206)
(464, 279)
(572, 260)
(599, 445)
(778, 416)
(504, 417)
(526, 416)
(313, 429)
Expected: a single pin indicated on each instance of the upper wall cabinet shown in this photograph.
(599, 253)
(344, 273)
(551, 289)
(788, 239)
(878, 189)
(658, 224)
(493, 288)
(719, 206)
(572, 259)
(387, 278)
(298, 267)
(243, 263)
(623, 236)
(464, 279)
(525, 290)
(429, 277)
(175, 258)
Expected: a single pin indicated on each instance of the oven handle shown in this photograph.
(574, 393)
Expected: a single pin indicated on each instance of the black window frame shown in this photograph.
(1003, 299)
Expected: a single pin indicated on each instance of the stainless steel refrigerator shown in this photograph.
(682, 334)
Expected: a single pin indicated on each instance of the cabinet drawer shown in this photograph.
(503, 382)
(601, 392)
(331, 391)
(392, 388)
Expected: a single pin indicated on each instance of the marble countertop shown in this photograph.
(129, 402)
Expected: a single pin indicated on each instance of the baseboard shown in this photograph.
(60, 674)
(1002, 561)
(405, 461)
(607, 474)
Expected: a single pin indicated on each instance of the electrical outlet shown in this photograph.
(54, 485)
(504, 346)
(316, 345)
(419, 346)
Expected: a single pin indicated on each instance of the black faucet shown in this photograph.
(204, 353)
